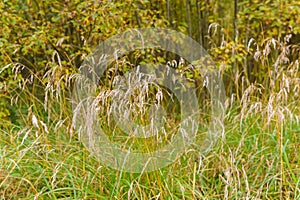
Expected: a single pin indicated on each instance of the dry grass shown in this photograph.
(42, 158)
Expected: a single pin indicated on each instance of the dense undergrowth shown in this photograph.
(256, 51)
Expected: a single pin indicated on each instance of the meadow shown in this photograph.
(256, 53)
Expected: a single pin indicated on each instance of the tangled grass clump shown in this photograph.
(42, 45)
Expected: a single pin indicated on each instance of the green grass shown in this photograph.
(249, 162)
(257, 158)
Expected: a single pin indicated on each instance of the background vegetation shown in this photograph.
(255, 45)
